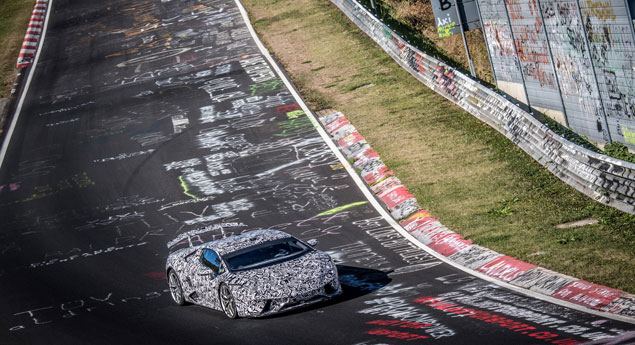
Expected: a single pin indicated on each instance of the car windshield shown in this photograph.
(265, 254)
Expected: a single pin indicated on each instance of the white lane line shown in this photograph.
(384, 213)
(14, 121)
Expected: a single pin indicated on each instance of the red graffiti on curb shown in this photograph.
(587, 294)
(505, 268)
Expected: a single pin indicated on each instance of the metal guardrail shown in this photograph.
(605, 179)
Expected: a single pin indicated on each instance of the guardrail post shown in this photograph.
(595, 76)
(553, 65)
(467, 50)
(630, 18)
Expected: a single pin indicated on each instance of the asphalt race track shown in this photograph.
(148, 118)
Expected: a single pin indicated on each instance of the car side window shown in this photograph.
(210, 259)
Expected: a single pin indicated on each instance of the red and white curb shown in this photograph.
(404, 208)
(33, 33)
(34, 60)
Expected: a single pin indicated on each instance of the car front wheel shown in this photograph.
(175, 288)
(227, 301)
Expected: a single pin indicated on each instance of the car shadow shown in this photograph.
(355, 282)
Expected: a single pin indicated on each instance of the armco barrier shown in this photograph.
(428, 230)
(605, 179)
(33, 33)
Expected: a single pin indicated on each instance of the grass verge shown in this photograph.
(471, 177)
(14, 18)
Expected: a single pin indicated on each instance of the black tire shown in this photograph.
(176, 290)
(227, 301)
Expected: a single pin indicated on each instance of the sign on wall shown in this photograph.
(447, 19)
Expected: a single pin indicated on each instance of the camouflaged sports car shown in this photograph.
(257, 273)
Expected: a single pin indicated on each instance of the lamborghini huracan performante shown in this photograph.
(253, 274)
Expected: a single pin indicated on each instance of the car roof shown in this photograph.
(248, 239)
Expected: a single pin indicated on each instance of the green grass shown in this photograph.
(474, 179)
(14, 16)
(619, 151)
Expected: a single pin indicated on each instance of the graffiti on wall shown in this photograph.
(573, 65)
(499, 41)
(609, 32)
(533, 53)
(576, 57)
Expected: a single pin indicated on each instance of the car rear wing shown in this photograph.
(192, 233)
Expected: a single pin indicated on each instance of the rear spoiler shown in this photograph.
(192, 233)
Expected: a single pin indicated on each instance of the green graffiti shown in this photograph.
(265, 86)
(186, 188)
(445, 30)
(342, 208)
(387, 33)
(295, 114)
(296, 124)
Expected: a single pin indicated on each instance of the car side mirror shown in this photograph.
(312, 242)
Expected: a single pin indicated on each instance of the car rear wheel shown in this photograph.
(175, 288)
(227, 302)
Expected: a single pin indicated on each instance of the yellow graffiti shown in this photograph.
(342, 208)
(446, 29)
(601, 9)
(629, 136)
(186, 188)
(337, 166)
